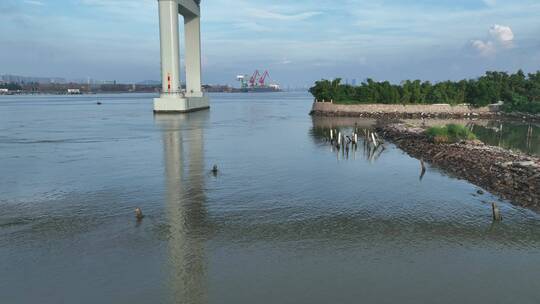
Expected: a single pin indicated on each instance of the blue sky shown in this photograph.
(298, 41)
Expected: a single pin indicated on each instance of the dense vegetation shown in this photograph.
(450, 133)
(10, 86)
(518, 91)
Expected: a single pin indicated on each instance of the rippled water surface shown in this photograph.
(286, 219)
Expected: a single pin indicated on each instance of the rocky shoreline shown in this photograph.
(513, 176)
(402, 115)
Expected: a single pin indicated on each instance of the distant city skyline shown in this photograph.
(11, 78)
(298, 42)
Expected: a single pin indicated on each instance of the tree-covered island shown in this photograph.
(519, 92)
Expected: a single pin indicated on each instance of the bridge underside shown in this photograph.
(173, 98)
(189, 8)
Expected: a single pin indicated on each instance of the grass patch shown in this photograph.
(450, 133)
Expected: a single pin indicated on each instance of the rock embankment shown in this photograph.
(398, 111)
(391, 111)
(513, 176)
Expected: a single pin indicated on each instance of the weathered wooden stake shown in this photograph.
(496, 212)
(379, 140)
(138, 214)
(423, 172)
(374, 140)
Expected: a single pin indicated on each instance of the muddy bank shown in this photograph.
(513, 176)
(396, 111)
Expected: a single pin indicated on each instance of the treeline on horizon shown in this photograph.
(10, 86)
(519, 92)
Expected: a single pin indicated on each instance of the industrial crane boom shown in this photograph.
(253, 79)
(263, 78)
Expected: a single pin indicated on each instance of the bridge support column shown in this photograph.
(192, 27)
(169, 46)
(173, 98)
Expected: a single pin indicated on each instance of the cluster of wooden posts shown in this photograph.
(372, 142)
(373, 146)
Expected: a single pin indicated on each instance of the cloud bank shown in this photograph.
(502, 37)
(298, 41)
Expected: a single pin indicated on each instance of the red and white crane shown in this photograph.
(263, 79)
(254, 78)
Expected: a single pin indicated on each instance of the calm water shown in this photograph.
(514, 135)
(517, 136)
(287, 220)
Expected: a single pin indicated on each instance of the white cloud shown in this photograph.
(501, 37)
(266, 14)
(140, 10)
(484, 48)
(285, 61)
(34, 2)
(502, 34)
(490, 2)
(252, 26)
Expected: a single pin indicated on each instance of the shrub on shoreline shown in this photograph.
(450, 133)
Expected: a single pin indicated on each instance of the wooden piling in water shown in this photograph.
(374, 140)
(138, 214)
(497, 217)
(423, 169)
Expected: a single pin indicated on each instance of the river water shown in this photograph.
(286, 219)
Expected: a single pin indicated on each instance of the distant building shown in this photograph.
(353, 82)
(4, 91)
(74, 91)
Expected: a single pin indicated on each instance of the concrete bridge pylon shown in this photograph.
(173, 98)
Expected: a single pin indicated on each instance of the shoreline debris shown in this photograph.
(511, 175)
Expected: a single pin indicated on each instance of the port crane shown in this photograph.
(263, 79)
(257, 82)
(243, 82)
(254, 78)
